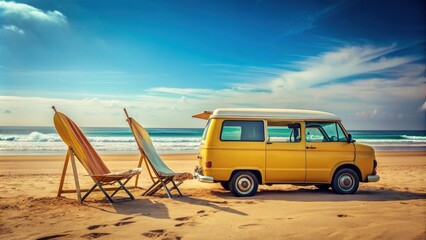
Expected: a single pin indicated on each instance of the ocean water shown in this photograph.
(45, 140)
(30, 140)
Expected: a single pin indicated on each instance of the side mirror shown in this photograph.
(350, 139)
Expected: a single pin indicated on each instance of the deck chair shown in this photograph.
(79, 146)
(161, 175)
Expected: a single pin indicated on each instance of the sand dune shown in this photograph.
(394, 208)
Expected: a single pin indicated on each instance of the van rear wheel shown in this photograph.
(345, 181)
(225, 185)
(243, 184)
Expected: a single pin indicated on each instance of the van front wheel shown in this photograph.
(345, 181)
(243, 184)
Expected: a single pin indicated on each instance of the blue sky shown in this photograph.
(166, 60)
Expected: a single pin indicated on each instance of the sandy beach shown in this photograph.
(394, 208)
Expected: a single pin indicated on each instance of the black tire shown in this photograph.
(345, 181)
(323, 187)
(243, 184)
(225, 185)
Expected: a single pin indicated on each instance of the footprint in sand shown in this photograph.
(179, 224)
(201, 213)
(154, 233)
(52, 236)
(122, 223)
(93, 227)
(252, 225)
(162, 233)
(182, 218)
(172, 238)
(186, 224)
(94, 235)
(191, 223)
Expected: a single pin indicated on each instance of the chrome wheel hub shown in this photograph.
(346, 182)
(244, 184)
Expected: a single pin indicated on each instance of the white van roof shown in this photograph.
(267, 113)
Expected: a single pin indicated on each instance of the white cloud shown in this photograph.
(14, 29)
(21, 11)
(375, 113)
(151, 111)
(395, 90)
(342, 63)
(194, 92)
(365, 114)
(423, 107)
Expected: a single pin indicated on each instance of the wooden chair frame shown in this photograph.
(98, 183)
(157, 180)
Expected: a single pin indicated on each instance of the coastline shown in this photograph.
(111, 140)
(164, 156)
(105, 157)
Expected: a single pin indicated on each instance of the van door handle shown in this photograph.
(311, 147)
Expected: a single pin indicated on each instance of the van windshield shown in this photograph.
(324, 132)
(206, 129)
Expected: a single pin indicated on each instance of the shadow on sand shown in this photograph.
(155, 207)
(138, 207)
(315, 195)
(209, 203)
(143, 207)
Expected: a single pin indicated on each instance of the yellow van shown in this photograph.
(242, 148)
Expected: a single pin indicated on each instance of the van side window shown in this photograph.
(283, 132)
(246, 131)
(324, 132)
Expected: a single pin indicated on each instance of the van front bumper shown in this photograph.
(198, 174)
(373, 178)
